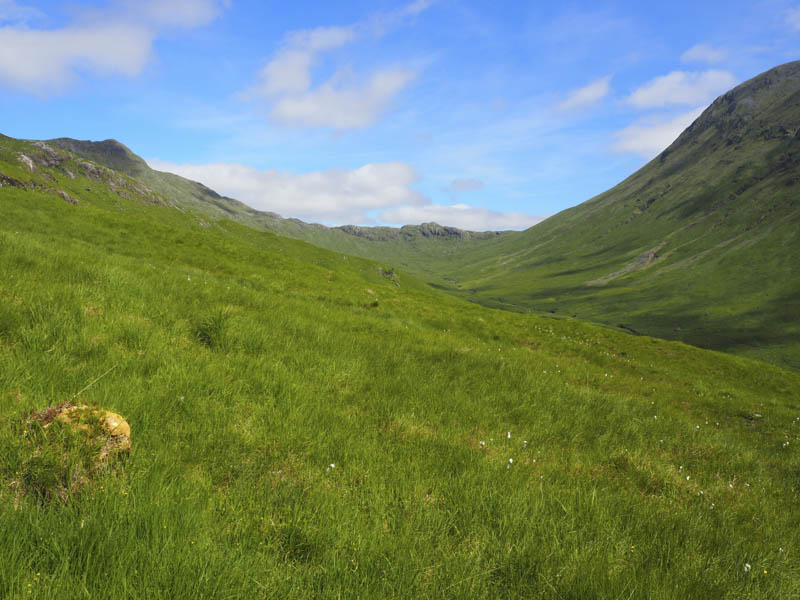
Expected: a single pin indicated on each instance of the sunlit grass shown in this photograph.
(292, 437)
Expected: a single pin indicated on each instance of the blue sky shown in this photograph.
(483, 115)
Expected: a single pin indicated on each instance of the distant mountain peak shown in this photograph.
(111, 153)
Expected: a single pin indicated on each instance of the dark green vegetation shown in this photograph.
(308, 424)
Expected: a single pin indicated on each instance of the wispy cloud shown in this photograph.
(344, 101)
(14, 12)
(682, 87)
(704, 53)
(176, 13)
(587, 95)
(380, 23)
(118, 41)
(650, 136)
(462, 216)
(466, 185)
(332, 196)
(793, 18)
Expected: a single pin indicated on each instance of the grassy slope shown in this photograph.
(248, 363)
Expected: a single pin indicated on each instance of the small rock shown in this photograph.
(66, 197)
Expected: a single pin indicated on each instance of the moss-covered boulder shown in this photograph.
(60, 450)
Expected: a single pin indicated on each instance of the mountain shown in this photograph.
(306, 423)
(700, 245)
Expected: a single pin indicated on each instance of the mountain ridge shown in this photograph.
(116, 155)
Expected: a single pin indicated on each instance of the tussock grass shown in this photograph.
(289, 442)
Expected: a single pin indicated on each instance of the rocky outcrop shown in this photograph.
(10, 181)
(412, 232)
(66, 197)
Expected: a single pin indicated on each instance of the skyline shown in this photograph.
(384, 112)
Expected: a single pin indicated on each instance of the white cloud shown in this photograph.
(336, 195)
(648, 137)
(462, 216)
(343, 106)
(45, 62)
(704, 53)
(681, 87)
(118, 41)
(343, 101)
(289, 72)
(793, 18)
(590, 94)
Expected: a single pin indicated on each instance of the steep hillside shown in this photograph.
(700, 245)
(307, 424)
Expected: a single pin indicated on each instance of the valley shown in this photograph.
(329, 416)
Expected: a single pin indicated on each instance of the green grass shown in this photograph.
(247, 364)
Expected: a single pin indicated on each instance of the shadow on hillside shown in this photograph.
(770, 327)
